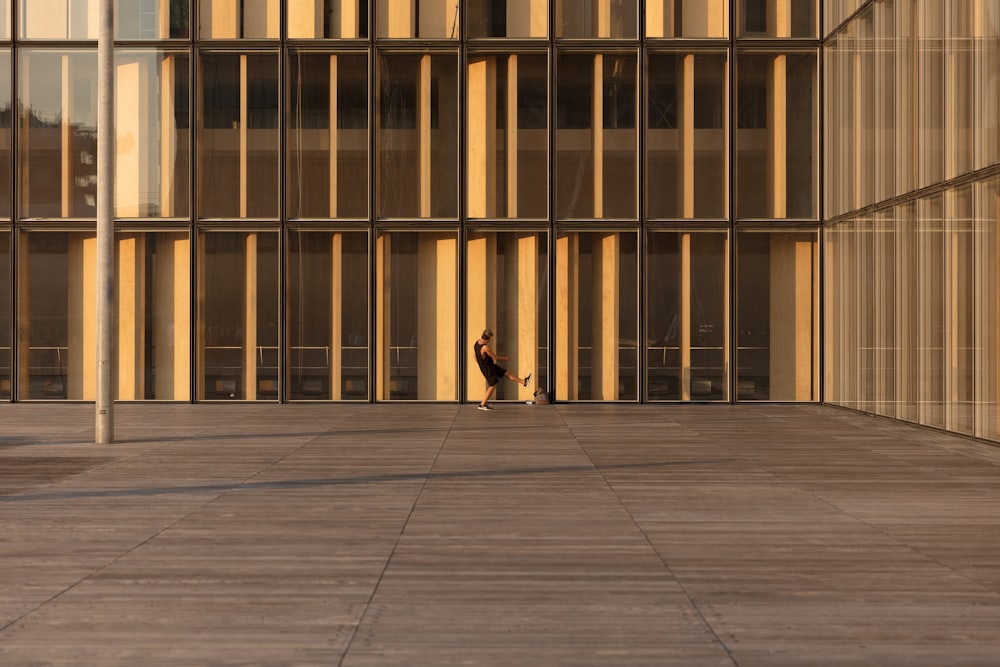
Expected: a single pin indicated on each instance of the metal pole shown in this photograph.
(105, 427)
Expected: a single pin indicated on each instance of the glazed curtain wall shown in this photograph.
(328, 201)
(913, 193)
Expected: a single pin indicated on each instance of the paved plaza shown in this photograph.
(438, 535)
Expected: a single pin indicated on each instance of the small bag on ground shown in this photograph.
(542, 397)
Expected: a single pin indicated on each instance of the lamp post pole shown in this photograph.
(105, 426)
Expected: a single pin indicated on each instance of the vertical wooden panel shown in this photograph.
(336, 315)
(82, 317)
(567, 316)
(250, 317)
(481, 137)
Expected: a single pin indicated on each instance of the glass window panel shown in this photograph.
(885, 103)
(959, 95)
(777, 316)
(153, 292)
(931, 90)
(864, 265)
(423, 19)
(987, 336)
(238, 316)
(597, 18)
(838, 322)
(507, 18)
(686, 120)
(6, 315)
(6, 139)
(884, 311)
(909, 313)
(507, 136)
(328, 315)
(234, 19)
(416, 316)
(331, 19)
(596, 345)
(57, 19)
(687, 18)
(506, 291)
(930, 255)
(778, 18)
(777, 136)
(56, 319)
(986, 29)
(328, 137)
(906, 95)
(596, 136)
(837, 130)
(687, 316)
(152, 19)
(58, 139)
(960, 300)
(418, 136)
(864, 82)
(5, 17)
(238, 170)
(153, 134)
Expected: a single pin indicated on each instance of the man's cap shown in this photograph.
(487, 333)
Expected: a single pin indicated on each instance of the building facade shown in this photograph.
(647, 200)
(912, 207)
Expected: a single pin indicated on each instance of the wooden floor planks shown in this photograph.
(610, 535)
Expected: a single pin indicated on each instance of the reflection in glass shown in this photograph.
(930, 107)
(6, 140)
(6, 313)
(960, 298)
(56, 19)
(596, 137)
(152, 127)
(686, 136)
(416, 313)
(777, 18)
(597, 18)
(777, 136)
(238, 316)
(424, 19)
(687, 18)
(930, 307)
(987, 85)
(331, 19)
(238, 133)
(687, 316)
(597, 292)
(153, 318)
(58, 138)
(507, 18)
(327, 118)
(777, 288)
(507, 136)
(56, 317)
(418, 136)
(987, 261)
(506, 291)
(328, 315)
(152, 19)
(231, 19)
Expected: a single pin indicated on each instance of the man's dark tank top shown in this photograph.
(485, 362)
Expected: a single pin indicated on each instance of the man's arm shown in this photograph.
(494, 356)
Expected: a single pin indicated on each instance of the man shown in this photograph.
(487, 360)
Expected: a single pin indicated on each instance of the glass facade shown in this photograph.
(644, 199)
(910, 239)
